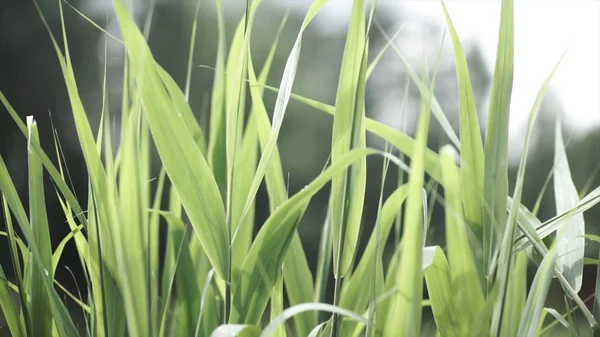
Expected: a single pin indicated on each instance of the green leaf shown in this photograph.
(348, 191)
(183, 161)
(439, 287)
(496, 141)
(562, 321)
(571, 247)
(354, 293)
(296, 272)
(11, 199)
(405, 315)
(277, 305)
(216, 144)
(537, 295)
(471, 147)
(9, 308)
(466, 282)
(297, 309)
(39, 300)
(272, 243)
(516, 294)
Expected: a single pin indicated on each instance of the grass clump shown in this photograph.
(216, 278)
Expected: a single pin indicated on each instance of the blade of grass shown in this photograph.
(439, 287)
(495, 180)
(178, 151)
(348, 192)
(216, 143)
(272, 242)
(471, 147)
(537, 295)
(39, 300)
(10, 198)
(508, 238)
(405, 314)
(572, 245)
(296, 272)
(297, 309)
(9, 308)
(466, 282)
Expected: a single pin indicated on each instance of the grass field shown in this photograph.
(216, 278)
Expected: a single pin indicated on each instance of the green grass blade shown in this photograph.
(183, 161)
(471, 147)
(440, 287)
(495, 183)
(283, 96)
(189, 294)
(52, 171)
(323, 261)
(572, 245)
(277, 305)
(216, 144)
(405, 315)
(348, 192)
(400, 140)
(272, 242)
(297, 309)
(551, 225)
(537, 295)
(39, 300)
(505, 261)
(183, 109)
(242, 179)
(516, 296)
(354, 295)
(9, 308)
(61, 316)
(466, 280)
(562, 321)
(299, 284)
(296, 272)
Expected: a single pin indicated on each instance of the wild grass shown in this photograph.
(216, 278)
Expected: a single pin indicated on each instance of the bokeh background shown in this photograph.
(31, 79)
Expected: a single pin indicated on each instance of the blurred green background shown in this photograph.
(31, 79)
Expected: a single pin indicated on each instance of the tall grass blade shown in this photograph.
(348, 192)
(466, 283)
(471, 147)
(571, 247)
(495, 183)
(537, 295)
(297, 309)
(404, 316)
(439, 286)
(272, 243)
(9, 308)
(63, 320)
(354, 295)
(296, 272)
(216, 143)
(183, 161)
(505, 262)
(39, 300)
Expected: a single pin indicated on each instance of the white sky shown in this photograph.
(543, 31)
